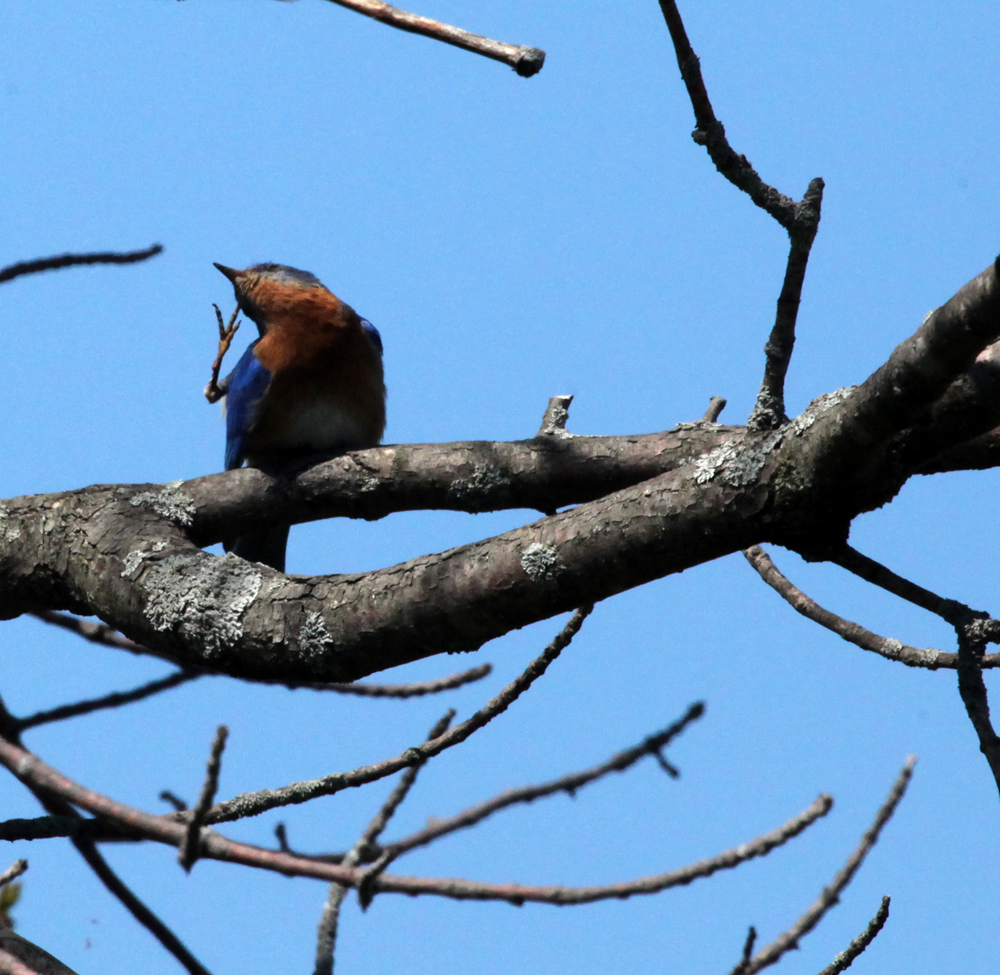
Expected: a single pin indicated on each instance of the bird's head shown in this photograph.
(264, 289)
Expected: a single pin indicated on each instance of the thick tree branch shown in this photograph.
(526, 61)
(902, 392)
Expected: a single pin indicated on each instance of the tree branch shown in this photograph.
(831, 895)
(569, 784)
(74, 260)
(37, 775)
(255, 803)
(189, 849)
(845, 959)
(526, 61)
(327, 935)
(107, 701)
(891, 649)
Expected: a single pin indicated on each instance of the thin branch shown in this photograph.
(93, 632)
(972, 689)
(72, 260)
(526, 61)
(13, 872)
(55, 792)
(327, 935)
(711, 133)
(769, 410)
(176, 801)
(715, 407)
(137, 908)
(48, 827)
(410, 690)
(846, 958)
(189, 850)
(114, 700)
(46, 782)
(569, 784)
(255, 803)
(831, 895)
(889, 648)
(877, 574)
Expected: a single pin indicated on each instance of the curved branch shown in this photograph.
(891, 649)
(37, 775)
(60, 261)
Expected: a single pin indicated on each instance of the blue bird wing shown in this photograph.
(372, 332)
(248, 383)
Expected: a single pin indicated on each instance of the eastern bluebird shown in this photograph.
(310, 384)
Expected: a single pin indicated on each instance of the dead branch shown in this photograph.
(114, 700)
(526, 61)
(327, 935)
(569, 784)
(831, 895)
(255, 803)
(889, 648)
(189, 850)
(74, 260)
(845, 959)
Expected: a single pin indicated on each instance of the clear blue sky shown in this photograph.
(512, 239)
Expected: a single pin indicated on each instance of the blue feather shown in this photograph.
(372, 332)
(248, 383)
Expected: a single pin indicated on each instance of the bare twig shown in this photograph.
(55, 789)
(47, 827)
(101, 633)
(189, 848)
(176, 801)
(889, 648)
(526, 61)
(55, 793)
(568, 783)
(108, 701)
(769, 410)
(801, 220)
(13, 872)
(846, 958)
(831, 895)
(411, 690)
(137, 908)
(715, 407)
(255, 803)
(72, 260)
(213, 391)
(327, 935)
(972, 689)
(877, 574)
(711, 134)
(555, 417)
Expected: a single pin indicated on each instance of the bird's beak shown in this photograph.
(230, 272)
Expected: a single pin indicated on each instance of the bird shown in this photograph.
(311, 384)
